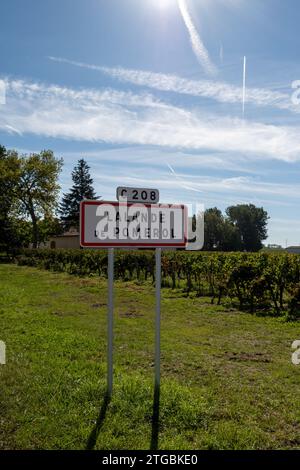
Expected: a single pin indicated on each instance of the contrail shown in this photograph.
(221, 53)
(244, 84)
(197, 44)
(182, 183)
(221, 92)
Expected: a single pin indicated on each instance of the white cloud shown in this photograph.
(197, 187)
(2, 92)
(126, 118)
(199, 49)
(221, 92)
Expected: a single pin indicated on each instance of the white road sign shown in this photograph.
(144, 195)
(117, 224)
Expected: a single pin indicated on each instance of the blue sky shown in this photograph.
(150, 93)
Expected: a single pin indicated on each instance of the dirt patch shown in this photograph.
(248, 357)
(135, 288)
(58, 314)
(66, 314)
(131, 313)
(54, 294)
(291, 443)
(99, 305)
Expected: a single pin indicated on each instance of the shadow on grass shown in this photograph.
(91, 443)
(92, 440)
(155, 420)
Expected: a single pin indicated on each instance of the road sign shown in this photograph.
(144, 195)
(122, 224)
(119, 224)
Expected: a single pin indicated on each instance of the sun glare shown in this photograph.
(164, 4)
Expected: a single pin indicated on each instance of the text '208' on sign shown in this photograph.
(117, 224)
(144, 195)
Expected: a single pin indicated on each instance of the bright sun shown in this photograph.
(163, 4)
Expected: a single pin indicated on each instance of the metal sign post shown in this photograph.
(144, 223)
(157, 318)
(110, 322)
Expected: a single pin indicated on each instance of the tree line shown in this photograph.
(242, 228)
(30, 211)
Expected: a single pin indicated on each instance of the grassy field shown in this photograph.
(227, 377)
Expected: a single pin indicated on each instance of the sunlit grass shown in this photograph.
(227, 377)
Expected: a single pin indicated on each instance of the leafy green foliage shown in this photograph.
(243, 228)
(294, 303)
(219, 233)
(256, 282)
(29, 188)
(8, 168)
(251, 223)
(82, 189)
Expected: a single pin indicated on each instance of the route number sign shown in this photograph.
(144, 195)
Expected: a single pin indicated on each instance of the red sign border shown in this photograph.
(124, 244)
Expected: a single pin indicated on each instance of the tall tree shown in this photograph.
(8, 174)
(82, 189)
(213, 226)
(32, 186)
(5, 202)
(251, 222)
(219, 233)
(10, 236)
(231, 240)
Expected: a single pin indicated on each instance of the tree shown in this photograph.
(230, 237)
(48, 226)
(31, 184)
(219, 233)
(4, 195)
(8, 168)
(251, 223)
(82, 189)
(4, 226)
(213, 226)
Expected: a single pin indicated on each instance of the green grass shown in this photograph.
(227, 377)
